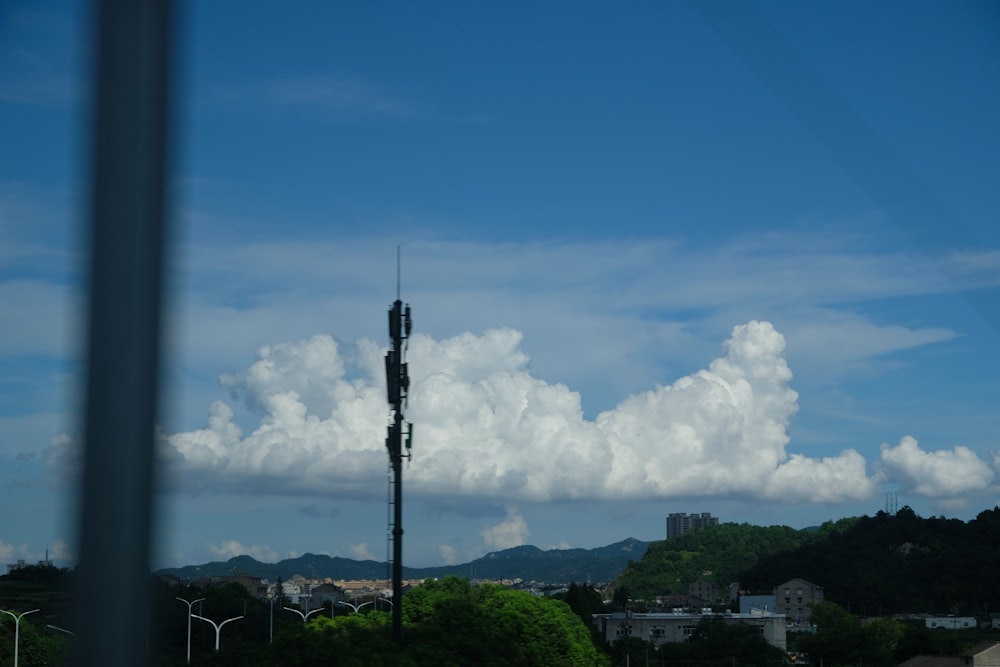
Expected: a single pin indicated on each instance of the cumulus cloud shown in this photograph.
(61, 552)
(511, 532)
(360, 552)
(940, 474)
(485, 426)
(449, 555)
(231, 548)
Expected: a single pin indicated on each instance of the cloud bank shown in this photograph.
(486, 427)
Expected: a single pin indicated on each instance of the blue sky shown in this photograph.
(729, 257)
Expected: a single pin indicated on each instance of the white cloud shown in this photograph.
(943, 474)
(511, 532)
(838, 342)
(486, 427)
(449, 555)
(360, 552)
(231, 548)
(61, 552)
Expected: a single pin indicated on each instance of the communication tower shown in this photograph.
(891, 503)
(397, 387)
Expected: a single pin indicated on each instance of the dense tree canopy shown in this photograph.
(871, 565)
(720, 554)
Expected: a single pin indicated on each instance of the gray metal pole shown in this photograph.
(129, 166)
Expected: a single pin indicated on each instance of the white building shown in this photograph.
(950, 622)
(661, 628)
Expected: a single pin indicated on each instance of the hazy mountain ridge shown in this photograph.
(523, 562)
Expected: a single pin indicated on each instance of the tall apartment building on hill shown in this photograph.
(679, 523)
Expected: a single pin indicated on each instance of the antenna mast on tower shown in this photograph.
(397, 386)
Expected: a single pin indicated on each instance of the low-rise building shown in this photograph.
(702, 593)
(795, 597)
(986, 654)
(663, 628)
(950, 622)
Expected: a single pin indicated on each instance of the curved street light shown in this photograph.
(356, 608)
(305, 615)
(56, 627)
(189, 604)
(218, 628)
(387, 600)
(17, 627)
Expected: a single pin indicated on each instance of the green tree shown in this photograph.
(458, 624)
(842, 638)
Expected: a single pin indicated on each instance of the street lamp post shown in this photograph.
(218, 628)
(189, 604)
(305, 615)
(271, 602)
(17, 628)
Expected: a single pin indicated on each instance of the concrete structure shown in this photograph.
(793, 598)
(677, 627)
(679, 523)
(986, 654)
(702, 593)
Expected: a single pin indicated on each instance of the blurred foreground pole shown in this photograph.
(127, 202)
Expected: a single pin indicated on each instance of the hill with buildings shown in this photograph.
(888, 563)
(553, 566)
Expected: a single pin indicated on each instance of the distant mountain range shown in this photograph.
(555, 566)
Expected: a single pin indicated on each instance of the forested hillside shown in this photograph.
(901, 563)
(886, 563)
(721, 554)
